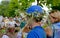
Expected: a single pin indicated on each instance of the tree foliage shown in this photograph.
(8, 8)
(3, 8)
(55, 4)
(24, 4)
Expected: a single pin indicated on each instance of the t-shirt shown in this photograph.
(19, 34)
(5, 36)
(37, 32)
(2, 24)
(56, 30)
(1, 18)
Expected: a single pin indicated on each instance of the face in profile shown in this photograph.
(53, 18)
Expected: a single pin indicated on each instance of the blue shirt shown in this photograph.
(56, 30)
(37, 32)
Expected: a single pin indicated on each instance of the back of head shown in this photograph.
(37, 19)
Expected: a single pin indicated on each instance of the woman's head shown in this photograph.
(54, 16)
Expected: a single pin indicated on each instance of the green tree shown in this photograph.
(3, 8)
(24, 4)
(7, 8)
(13, 5)
(54, 2)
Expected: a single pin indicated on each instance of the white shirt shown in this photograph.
(2, 24)
(1, 18)
(19, 34)
(5, 36)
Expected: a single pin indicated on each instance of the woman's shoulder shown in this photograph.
(57, 25)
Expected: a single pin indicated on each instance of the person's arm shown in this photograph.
(48, 31)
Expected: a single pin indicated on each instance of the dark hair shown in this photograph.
(53, 11)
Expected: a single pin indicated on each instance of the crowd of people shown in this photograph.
(11, 25)
(19, 27)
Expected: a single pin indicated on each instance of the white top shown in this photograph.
(5, 36)
(1, 18)
(2, 24)
(19, 35)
